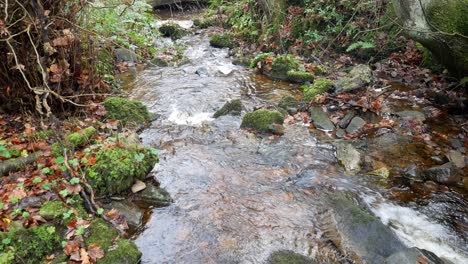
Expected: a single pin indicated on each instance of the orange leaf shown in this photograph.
(84, 256)
(70, 247)
(95, 252)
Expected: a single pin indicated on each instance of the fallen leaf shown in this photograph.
(95, 252)
(71, 247)
(84, 256)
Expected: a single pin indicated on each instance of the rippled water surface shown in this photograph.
(239, 197)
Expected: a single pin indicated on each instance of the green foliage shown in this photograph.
(101, 233)
(360, 45)
(318, 87)
(131, 113)
(261, 119)
(222, 40)
(29, 245)
(81, 137)
(172, 30)
(281, 65)
(52, 210)
(260, 58)
(117, 168)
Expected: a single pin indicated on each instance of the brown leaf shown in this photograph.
(71, 247)
(84, 256)
(95, 252)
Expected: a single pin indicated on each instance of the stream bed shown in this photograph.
(238, 197)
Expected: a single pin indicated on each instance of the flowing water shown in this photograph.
(237, 196)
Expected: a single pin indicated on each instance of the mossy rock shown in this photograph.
(172, 30)
(300, 76)
(281, 65)
(117, 168)
(81, 137)
(261, 119)
(203, 22)
(124, 252)
(101, 233)
(126, 111)
(320, 86)
(29, 245)
(222, 40)
(233, 107)
(287, 102)
(288, 257)
(51, 210)
(260, 58)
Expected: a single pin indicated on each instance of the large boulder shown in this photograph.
(439, 25)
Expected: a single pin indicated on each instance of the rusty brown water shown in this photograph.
(237, 196)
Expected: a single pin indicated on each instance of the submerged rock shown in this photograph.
(154, 195)
(349, 157)
(358, 77)
(445, 174)
(260, 120)
(412, 256)
(288, 257)
(320, 119)
(410, 114)
(233, 107)
(359, 234)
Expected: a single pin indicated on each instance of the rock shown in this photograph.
(202, 72)
(349, 157)
(138, 186)
(154, 195)
(128, 112)
(411, 171)
(288, 257)
(125, 55)
(300, 76)
(292, 111)
(288, 101)
(319, 86)
(51, 210)
(261, 119)
(276, 129)
(340, 133)
(412, 256)
(444, 174)
(224, 70)
(320, 119)
(382, 173)
(356, 124)
(456, 158)
(130, 211)
(409, 115)
(233, 107)
(123, 252)
(172, 30)
(161, 62)
(359, 76)
(30, 201)
(222, 40)
(357, 233)
(344, 122)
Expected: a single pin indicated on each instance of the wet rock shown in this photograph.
(202, 72)
(358, 233)
(222, 41)
(465, 183)
(348, 156)
(320, 119)
(409, 115)
(225, 70)
(130, 211)
(356, 124)
(291, 110)
(161, 62)
(276, 129)
(288, 257)
(456, 158)
(233, 107)
(125, 55)
(288, 101)
(445, 174)
(346, 119)
(138, 186)
(412, 256)
(358, 77)
(172, 30)
(261, 119)
(382, 173)
(439, 160)
(340, 133)
(31, 201)
(154, 195)
(412, 171)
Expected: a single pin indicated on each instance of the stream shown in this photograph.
(238, 197)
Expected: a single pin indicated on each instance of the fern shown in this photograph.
(360, 44)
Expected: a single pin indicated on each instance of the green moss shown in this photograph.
(172, 30)
(300, 76)
(203, 22)
(117, 168)
(282, 65)
(101, 233)
(29, 245)
(288, 101)
(81, 137)
(230, 108)
(288, 257)
(260, 58)
(261, 119)
(449, 16)
(125, 251)
(222, 40)
(318, 87)
(128, 112)
(52, 210)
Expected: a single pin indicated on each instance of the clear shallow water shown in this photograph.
(239, 197)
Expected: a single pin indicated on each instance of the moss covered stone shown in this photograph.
(51, 210)
(117, 168)
(318, 87)
(287, 102)
(261, 119)
(281, 65)
(81, 137)
(233, 107)
(172, 30)
(127, 111)
(288, 257)
(203, 22)
(124, 252)
(29, 245)
(222, 40)
(101, 233)
(300, 76)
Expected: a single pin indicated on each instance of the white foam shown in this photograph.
(417, 230)
(183, 118)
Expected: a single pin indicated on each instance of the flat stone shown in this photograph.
(340, 133)
(320, 119)
(130, 211)
(445, 174)
(412, 256)
(358, 77)
(456, 158)
(154, 195)
(410, 114)
(225, 70)
(138, 186)
(356, 124)
(349, 157)
(346, 119)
